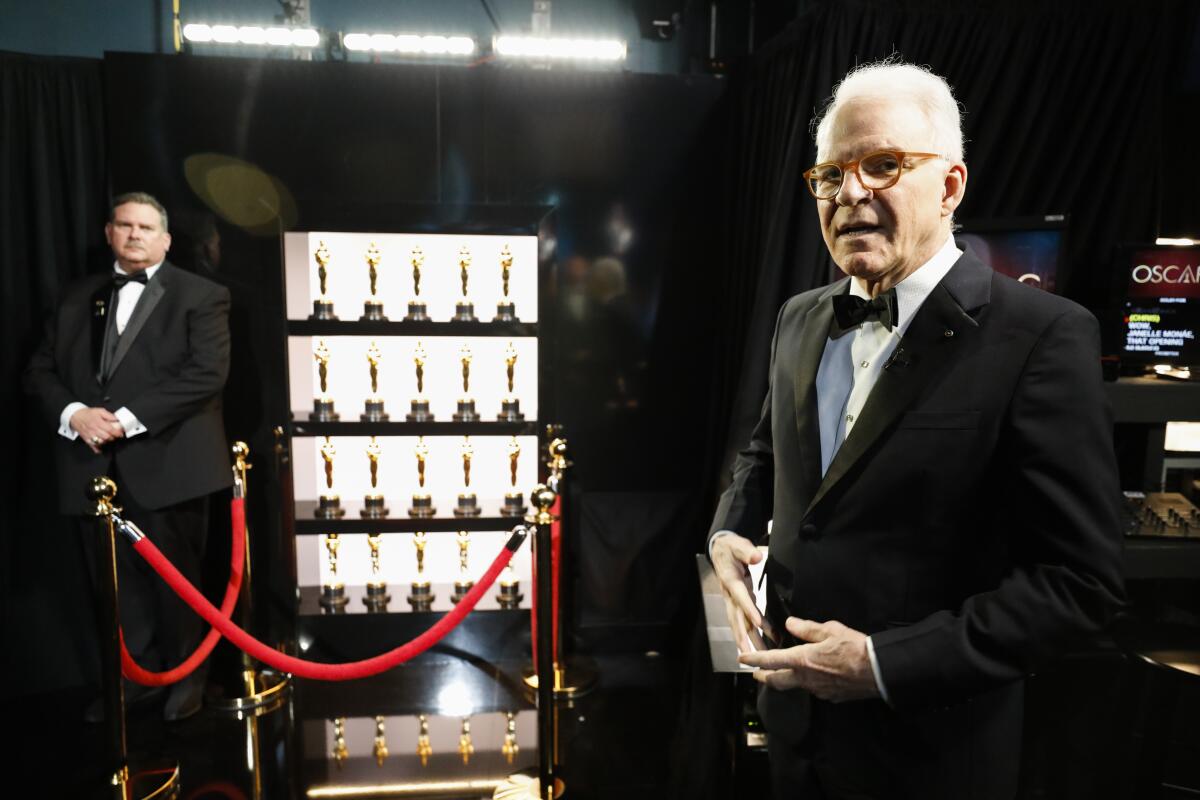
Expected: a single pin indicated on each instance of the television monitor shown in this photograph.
(1027, 249)
(1161, 305)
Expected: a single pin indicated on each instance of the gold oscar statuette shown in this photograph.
(323, 403)
(322, 306)
(506, 310)
(333, 591)
(381, 748)
(421, 598)
(329, 504)
(466, 404)
(340, 751)
(464, 309)
(514, 500)
(465, 748)
(420, 404)
(422, 502)
(373, 408)
(468, 503)
(373, 306)
(417, 311)
(464, 582)
(377, 597)
(510, 748)
(424, 748)
(510, 405)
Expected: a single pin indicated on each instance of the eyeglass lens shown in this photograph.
(875, 171)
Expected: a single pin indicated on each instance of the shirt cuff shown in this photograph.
(129, 422)
(875, 671)
(714, 537)
(64, 421)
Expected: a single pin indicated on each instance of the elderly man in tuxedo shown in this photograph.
(131, 372)
(935, 453)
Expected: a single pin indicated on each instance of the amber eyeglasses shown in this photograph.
(875, 171)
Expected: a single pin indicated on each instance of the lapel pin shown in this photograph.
(949, 334)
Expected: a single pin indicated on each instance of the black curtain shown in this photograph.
(53, 205)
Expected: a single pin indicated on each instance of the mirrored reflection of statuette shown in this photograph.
(329, 504)
(373, 306)
(464, 309)
(424, 747)
(421, 598)
(466, 748)
(417, 311)
(374, 506)
(509, 596)
(373, 408)
(333, 592)
(422, 503)
(322, 404)
(510, 748)
(468, 503)
(510, 405)
(322, 306)
(377, 597)
(514, 500)
(464, 582)
(381, 748)
(466, 404)
(506, 310)
(420, 404)
(340, 751)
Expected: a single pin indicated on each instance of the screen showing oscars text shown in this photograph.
(1162, 306)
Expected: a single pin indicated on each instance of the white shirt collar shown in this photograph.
(149, 270)
(915, 288)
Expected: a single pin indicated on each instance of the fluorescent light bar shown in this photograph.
(410, 44)
(255, 35)
(576, 49)
(1173, 242)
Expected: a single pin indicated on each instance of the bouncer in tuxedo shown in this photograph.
(935, 453)
(131, 372)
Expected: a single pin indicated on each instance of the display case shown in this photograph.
(415, 391)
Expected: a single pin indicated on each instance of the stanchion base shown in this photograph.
(575, 680)
(265, 692)
(520, 786)
(150, 779)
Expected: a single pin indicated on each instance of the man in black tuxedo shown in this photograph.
(131, 372)
(935, 453)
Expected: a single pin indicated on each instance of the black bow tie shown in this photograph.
(120, 280)
(850, 311)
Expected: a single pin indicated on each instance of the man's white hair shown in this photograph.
(892, 78)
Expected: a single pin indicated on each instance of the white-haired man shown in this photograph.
(935, 452)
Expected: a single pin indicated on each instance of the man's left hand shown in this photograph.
(833, 665)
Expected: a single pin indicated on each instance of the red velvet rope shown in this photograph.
(312, 669)
(555, 558)
(134, 672)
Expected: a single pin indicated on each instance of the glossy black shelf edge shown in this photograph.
(398, 327)
(400, 522)
(310, 605)
(1154, 400)
(304, 427)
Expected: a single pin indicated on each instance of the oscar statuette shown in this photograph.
(421, 598)
(510, 405)
(377, 597)
(373, 407)
(468, 503)
(322, 306)
(340, 751)
(424, 747)
(417, 312)
(374, 506)
(465, 747)
(373, 306)
(333, 593)
(420, 404)
(422, 503)
(464, 582)
(322, 404)
(510, 747)
(506, 310)
(381, 748)
(464, 310)
(329, 504)
(466, 404)
(514, 500)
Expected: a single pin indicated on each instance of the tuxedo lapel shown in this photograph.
(941, 327)
(151, 296)
(99, 306)
(812, 338)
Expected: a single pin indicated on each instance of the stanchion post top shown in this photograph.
(102, 491)
(542, 497)
(240, 450)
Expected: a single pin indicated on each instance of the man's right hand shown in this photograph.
(96, 427)
(731, 557)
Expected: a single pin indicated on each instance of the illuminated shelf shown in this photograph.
(398, 427)
(307, 524)
(309, 327)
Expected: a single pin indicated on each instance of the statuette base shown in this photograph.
(510, 410)
(420, 412)
(373, 507)
(323, 310)
(421, 598)
(377, 597)
(329, 506)
(514, 505)
(466, 412)
(373, 411)
(464, 311)
(509, 596)
(416, 312)
(460, 590)
(372, 311)
(333, 597)
(323, 410)
(506, 312)
(468, 506)
(422, 506)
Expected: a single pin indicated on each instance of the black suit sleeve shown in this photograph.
(1061, 490)
(42, 380)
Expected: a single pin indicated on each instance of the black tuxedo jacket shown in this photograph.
(969, 522)
(169, 370)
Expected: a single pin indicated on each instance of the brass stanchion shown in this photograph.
(258, 689)
(124, 783)
(573, 676)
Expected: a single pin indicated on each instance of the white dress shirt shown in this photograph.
(127, 300)
(851, 364)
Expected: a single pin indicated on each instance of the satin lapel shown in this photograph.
(812, 339)
(99, 307)
(145, 306)
(923, 352)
